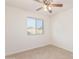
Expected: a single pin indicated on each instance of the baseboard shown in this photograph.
(62, 48)
(16, 52)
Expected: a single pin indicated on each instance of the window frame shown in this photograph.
(42, 26)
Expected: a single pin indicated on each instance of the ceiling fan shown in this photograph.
(47, 5)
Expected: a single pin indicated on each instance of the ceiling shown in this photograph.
(31, 5)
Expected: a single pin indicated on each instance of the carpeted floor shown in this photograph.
(47, 52)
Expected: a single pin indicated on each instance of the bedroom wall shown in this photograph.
(62, 30)
(57, 30)
(17, 39)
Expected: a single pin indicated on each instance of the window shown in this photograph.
(34, 26)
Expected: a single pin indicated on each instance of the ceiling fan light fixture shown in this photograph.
(45, 7)
(48, 5)
(50, 8)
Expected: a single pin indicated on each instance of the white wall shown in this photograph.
(16, 36)
(62, 30)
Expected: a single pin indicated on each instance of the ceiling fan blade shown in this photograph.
(57, 5)
(38, 1)
(39, 9)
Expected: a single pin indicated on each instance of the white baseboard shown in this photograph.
(62, 48)
(19, 51)
(35, 48)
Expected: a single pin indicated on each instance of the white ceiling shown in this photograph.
(31, 5)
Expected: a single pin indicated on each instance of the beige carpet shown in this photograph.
(47, 52)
